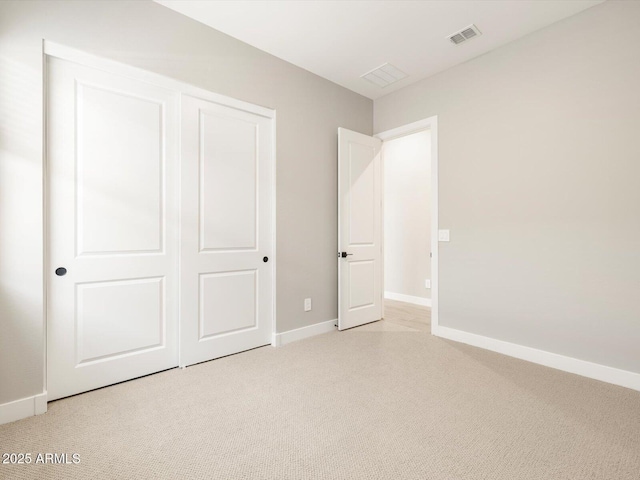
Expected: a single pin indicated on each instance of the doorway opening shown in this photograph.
(410, 222)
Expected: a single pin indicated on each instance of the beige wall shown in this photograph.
(407, 214)
(539, 177)
(147, 35)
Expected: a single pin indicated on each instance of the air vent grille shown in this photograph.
(465, 34)
(457, 38)
(384, 75)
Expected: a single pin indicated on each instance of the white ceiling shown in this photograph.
(342, 40)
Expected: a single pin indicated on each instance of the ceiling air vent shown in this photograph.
(465, 34)
(384, 75)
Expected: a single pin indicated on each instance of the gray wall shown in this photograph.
(407, 214)
(539, 158)
(148, 35)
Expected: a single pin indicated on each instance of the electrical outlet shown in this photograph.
(443, 235)
(307, 304)
(427, 283)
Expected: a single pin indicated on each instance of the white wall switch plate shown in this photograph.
(443, 235)
(427, 283)
(307, 304)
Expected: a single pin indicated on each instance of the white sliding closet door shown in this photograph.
(112, 265)
(226, 230)
(160, 223)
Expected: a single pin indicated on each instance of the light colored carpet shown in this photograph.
(384, 401)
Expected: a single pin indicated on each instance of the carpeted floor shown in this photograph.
(383, 401)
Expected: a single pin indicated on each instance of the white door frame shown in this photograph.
(63, 52)
(431, 124)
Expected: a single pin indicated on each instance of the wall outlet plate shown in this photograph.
(427, 283)
(307, 304)
(443, 235)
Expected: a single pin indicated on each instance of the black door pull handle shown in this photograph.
(61, 271)
(265, 259)
(344, 254)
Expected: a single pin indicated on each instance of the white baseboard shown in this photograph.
(425, 302)
(23, 408)
(283, 338)
(623, 378)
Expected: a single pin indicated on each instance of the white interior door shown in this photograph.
(226, 231)
(112, 204)
(359, 229)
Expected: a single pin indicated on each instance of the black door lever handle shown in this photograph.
(344, 254)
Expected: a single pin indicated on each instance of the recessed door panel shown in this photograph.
(119, 317)
(112, 225)
(362, 291)
(119, 171)
(228, 302)
(362, 195)
(228, 181)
